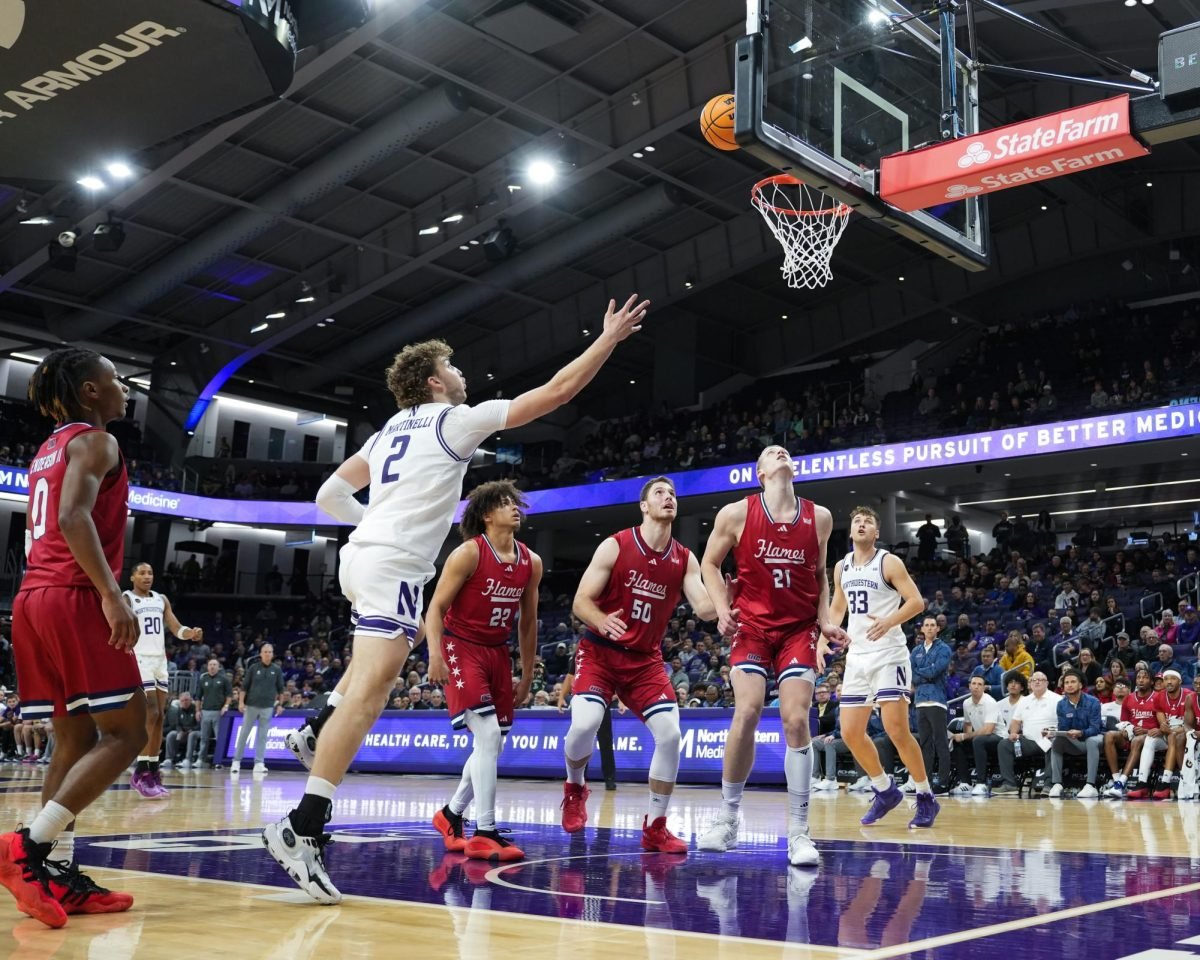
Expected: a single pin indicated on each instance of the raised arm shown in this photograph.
(595, 579)
(695, 592)
(457, 570)
(730, 520)
(91, 457)
(566, 384)
(527, 629)
(896, 573)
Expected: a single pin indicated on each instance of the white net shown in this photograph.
(807, 223)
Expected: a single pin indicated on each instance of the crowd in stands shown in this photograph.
(1105, 358)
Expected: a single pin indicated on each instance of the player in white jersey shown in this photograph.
(155, 617)
(875, 587)
(414, 467)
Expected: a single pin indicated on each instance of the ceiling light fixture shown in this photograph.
(277, 315)
(453, 218)
(119, 170)
(37, 222)
(91, 182)
(429, 231)
(804, 43)
(1036, 496)
(637, 154)
(541, 172)
(648, 148)
(260, 328)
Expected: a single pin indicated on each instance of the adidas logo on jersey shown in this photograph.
(508, 569)
(653, 562)
(781, 529)
(808, 520)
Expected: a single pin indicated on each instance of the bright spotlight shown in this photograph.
(119, 170)
(541, 172)
(876, 17)
(90, 183)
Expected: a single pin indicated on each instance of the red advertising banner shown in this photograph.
(1055, 145)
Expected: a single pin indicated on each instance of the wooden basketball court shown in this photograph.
(1054, 878)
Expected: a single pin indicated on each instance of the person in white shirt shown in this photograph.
(1067, 598)
(414, 467)
(980, 714)
(1035, 717)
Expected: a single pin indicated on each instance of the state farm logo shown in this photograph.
(12, 22)
(959, 190)
(977, 152)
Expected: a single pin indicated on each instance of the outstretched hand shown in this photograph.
(627, 321)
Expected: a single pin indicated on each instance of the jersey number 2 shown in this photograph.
(399, 449)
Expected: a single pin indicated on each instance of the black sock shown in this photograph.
(154, 766)
(319, 721)
(450, 814)
(143, 766)
(311, 815)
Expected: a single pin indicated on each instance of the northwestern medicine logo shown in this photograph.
(12, 22)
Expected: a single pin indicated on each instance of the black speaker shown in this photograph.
(108, 237)
(499, 244)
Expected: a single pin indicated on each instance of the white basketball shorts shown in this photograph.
(385, 589)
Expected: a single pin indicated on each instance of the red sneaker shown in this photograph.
(450, 826)
(79, 893)
(657, 838)
(1140, 792)
(23, 873)
(1163, 794)
(574, 806)
(489, 845)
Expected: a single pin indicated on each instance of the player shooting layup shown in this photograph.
(782, 622)
(414, 467)
(880, 595)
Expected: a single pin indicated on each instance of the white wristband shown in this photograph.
(184, 632)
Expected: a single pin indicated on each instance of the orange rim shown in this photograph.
(787, 180)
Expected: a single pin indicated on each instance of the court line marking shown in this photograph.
(593, 926)
(493, 876)
(1008, 926)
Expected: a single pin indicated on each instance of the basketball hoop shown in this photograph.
(807, 223)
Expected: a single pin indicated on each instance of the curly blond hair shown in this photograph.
(411, 369)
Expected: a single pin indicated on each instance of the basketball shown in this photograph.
(716, 122)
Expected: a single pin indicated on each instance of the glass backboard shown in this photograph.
(826, 88)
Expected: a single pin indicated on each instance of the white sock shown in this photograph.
(1118, 778)
(731, 797)
(334, 699)
(881, 782)
(485, 756)
(64, 850)
(465, 792)
(797, 768)
(580, 741)
(922, 786)
(47, 825)
(146, 759)
(657, 807)
(320, 787)
(575, 774)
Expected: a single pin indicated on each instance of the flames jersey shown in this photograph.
(777, 566)
(646, 584)
(1139, 710)
(50, 562)
(1173, 708)
(488, 604)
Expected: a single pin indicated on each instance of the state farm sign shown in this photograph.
(1040, 149)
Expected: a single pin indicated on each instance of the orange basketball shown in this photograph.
(716, 122)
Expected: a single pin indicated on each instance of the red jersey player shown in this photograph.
(72, 633)
(1171, 704)
(488, 583)
(782, 625)
(1139, 726)
(626, 597)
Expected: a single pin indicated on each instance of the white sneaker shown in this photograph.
(721, 836)
(260, 769)
(186, 765)
(303, 859)
(167, 764)
(1088, 792)
(980, 790)
(962, 790)
(802, 852)
(1115, 790)
(909, 786)
(861, 785)
(826, 786)
(303, 743)
(1055, 791)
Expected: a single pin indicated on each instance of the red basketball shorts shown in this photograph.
(789, 654)
(65, 666)
(642, 685)
(480, 681)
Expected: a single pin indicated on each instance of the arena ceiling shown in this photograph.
(208, 254)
